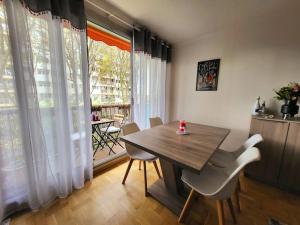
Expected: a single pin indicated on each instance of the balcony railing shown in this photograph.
(108, 111)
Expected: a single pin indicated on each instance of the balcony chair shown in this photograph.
(112, 133)
(217, 183)
(138, 154)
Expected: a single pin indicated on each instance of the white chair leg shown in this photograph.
(186, 207)
(127, 171)
(229, 202)
(237, 197)
(145, 179)
(220, 212)
(156, 168)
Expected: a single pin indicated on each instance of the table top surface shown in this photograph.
(190, 151)
(102, 121)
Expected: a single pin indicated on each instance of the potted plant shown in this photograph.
(290, 95)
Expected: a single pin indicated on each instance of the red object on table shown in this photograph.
(95, 117)
(182, 125)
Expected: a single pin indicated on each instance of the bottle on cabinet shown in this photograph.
(256, 106)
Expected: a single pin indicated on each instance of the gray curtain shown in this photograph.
(70, 10)
(148, 43)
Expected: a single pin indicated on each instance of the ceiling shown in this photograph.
(179, 21)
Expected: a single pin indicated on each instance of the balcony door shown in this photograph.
(110, 88)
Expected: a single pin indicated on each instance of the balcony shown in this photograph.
(108, 111)
(104, 111)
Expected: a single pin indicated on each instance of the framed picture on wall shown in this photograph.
(207, 75)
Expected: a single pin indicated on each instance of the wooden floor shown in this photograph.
(107, 201)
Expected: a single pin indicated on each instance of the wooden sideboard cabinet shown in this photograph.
(280, 153)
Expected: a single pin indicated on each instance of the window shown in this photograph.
(109, 67)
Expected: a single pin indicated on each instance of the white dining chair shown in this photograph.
(217, 183)
(155, 121)
(223, 158)
(137, 154)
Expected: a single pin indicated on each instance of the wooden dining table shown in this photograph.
(176, 152)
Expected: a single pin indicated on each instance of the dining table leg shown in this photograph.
(170, 190)
(172, 176)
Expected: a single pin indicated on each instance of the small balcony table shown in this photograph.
(100, 138)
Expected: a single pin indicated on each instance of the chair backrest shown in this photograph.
(120, 119)
(129, 129)
(155, 121)
(232, 172)
(118, 116)
(250, 142)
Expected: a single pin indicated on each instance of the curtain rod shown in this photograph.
(109, 14)
(118, 18)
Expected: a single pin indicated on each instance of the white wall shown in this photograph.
(255, 58)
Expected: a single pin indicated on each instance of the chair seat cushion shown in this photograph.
(142, 155)
(207, 182)
(222, 158)
(111, 129)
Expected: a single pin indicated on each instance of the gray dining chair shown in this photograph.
(136, 153)
(217, 183)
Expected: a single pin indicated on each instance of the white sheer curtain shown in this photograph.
(45, 133)
(149, 88)
(151, 55)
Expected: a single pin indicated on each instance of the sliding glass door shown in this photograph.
(110, 90)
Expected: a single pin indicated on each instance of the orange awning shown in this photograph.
(109, 39)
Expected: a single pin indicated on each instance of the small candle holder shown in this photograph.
(182, 127)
